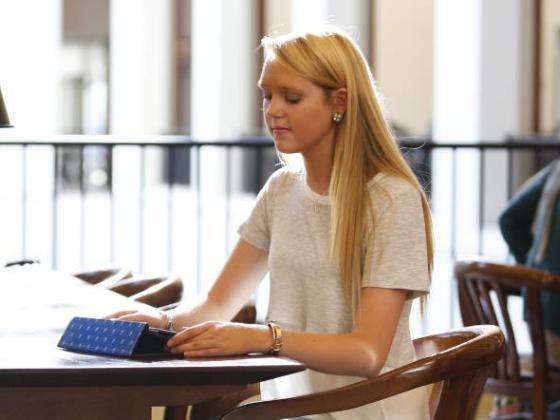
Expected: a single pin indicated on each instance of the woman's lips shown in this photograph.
(277, 131)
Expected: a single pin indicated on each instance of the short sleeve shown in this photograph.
(396, 246)
(256, 229)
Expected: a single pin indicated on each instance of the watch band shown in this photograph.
(276, 332)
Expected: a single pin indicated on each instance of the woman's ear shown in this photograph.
(339, 100)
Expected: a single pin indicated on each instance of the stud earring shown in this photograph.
(337, 117)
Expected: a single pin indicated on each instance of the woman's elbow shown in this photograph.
(373, 369)
(371, 363)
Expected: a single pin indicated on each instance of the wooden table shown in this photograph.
(40, 381)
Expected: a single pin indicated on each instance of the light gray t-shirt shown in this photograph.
(291, 222)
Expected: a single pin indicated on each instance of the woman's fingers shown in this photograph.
(214, 339)
(119, 314)
(197, 345)
(137, 317)
(190, 333)
(155, 320)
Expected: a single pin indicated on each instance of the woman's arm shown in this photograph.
(360, 353)
(363, 351)
(244, 269)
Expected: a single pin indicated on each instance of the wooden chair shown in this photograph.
(164, 292)
(483, 294)
(458, 362)
(156, 291)
(106, 277)
(133, 285)
(247, 314)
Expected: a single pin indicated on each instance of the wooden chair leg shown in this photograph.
(216, 407)
(175, 413)
(539, 408)
(475, 391)
(540, 367)
(452, 407)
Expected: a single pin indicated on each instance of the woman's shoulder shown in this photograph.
(389, 191)
(391, 186)
(283, 177)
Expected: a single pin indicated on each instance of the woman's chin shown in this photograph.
(287, 151)
(285, 147)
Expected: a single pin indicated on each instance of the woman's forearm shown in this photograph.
(239, 278)
(337, 354)
(196, 312)
(361, 352)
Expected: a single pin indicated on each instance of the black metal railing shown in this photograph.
(86, 166)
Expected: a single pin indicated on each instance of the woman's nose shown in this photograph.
(274, 108)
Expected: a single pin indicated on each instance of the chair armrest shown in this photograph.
(484, 348)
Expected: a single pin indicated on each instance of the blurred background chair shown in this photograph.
(159, 291)
(105, 277)
(247, 314)
(456, 362)
(164, 292)
(484, 289)
(25, 261)
(133, 285)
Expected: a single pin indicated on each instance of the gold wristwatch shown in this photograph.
(276, 332)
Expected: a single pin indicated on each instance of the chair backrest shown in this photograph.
(460, 360)
(105, 277)
(163, 293)
(483, 297)
(133, 285)
(247, 314)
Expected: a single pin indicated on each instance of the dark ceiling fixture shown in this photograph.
(4, 119)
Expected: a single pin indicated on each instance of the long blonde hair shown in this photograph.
(364, 143)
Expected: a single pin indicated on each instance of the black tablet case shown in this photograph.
(115, 337)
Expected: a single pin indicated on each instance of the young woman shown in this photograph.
(346, 239)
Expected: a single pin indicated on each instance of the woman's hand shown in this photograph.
(215, 338)
(155, 318)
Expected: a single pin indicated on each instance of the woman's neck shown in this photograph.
(318, 176)
(318, 163)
